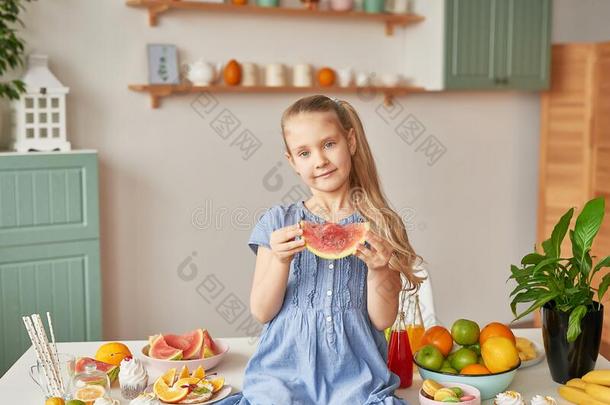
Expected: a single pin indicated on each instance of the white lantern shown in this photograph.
(39, 116)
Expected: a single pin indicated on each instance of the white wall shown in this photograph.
(474, 210)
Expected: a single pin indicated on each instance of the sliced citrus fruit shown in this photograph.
(186, 382)
(167, 393)
(199, 373)
(217, 383)
(184, 373)
(89, 393)
(169, 376)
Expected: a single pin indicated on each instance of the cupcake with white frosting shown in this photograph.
(509, 398)
(543, 400)
(145, 399)
(132, 378)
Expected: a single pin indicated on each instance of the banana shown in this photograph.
(601, 377)
(576, 383)
(577, 396)
(598, 392)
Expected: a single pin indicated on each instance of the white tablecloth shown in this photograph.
(17, 388)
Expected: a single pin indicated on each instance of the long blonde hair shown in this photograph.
(366, 194)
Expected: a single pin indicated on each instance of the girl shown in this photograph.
(322, 340)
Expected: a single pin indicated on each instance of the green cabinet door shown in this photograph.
(49, 247)
(528, 44)
(470, 44)
(497, 44)
(62, 278)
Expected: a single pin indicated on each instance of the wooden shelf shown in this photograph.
(158, 91)
(157, 7)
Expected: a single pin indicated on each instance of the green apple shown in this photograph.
(465, 332)
(475, 348)
(446, 364)
(464, 357)
(430, 357)
(448, 370)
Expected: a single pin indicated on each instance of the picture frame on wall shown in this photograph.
(163, 64)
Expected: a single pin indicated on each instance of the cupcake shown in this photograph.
(509, 398)
(542, 400)
(145, 399)
(133, 378)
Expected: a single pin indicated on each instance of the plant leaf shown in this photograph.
(574, 322)
(605, 262)
(532, 258)
(552, 246)
(587, 225)
(543, 299)
(603, 287)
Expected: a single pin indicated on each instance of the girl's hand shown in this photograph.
(378, 256)
(283, 244)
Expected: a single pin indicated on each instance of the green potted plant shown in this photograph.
(12, 47)
(572, 313)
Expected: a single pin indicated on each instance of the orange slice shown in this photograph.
(199, 373)
(217, 383)
(186, 381)
(169, 375)
(89, 393)
(167, 393)
(184, 373)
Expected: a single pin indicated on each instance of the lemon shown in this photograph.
(90, 393)
(54, 401)
(499, 354)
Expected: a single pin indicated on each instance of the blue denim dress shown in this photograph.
(321, 348)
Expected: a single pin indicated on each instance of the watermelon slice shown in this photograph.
(209, 347)
(159, 349)
(110, 369)
(190, 343)
(195, 340)
(333, 241)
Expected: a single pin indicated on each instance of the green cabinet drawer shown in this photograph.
(62, 278)
(48, 197)
(497, 44)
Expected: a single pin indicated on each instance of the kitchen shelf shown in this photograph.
(157, 7)
(158, 91)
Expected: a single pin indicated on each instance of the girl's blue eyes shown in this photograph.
(302, 154)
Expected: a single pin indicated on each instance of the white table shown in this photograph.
(16, 386)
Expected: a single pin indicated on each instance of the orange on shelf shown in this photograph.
(232, 73)
(326, 77)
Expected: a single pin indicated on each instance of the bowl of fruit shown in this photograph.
(486, 359)
(435, 393)
(193, 349)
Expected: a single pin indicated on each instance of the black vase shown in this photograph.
(571, 360)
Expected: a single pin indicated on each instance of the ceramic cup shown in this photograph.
(302, 75)
(249, 74)
(374, 6)
(275, 75)
(341, 5)
(345, 76)
(362, 79)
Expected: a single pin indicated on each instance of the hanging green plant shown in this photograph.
(11, 46)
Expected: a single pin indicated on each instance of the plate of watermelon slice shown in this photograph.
(192, 349)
